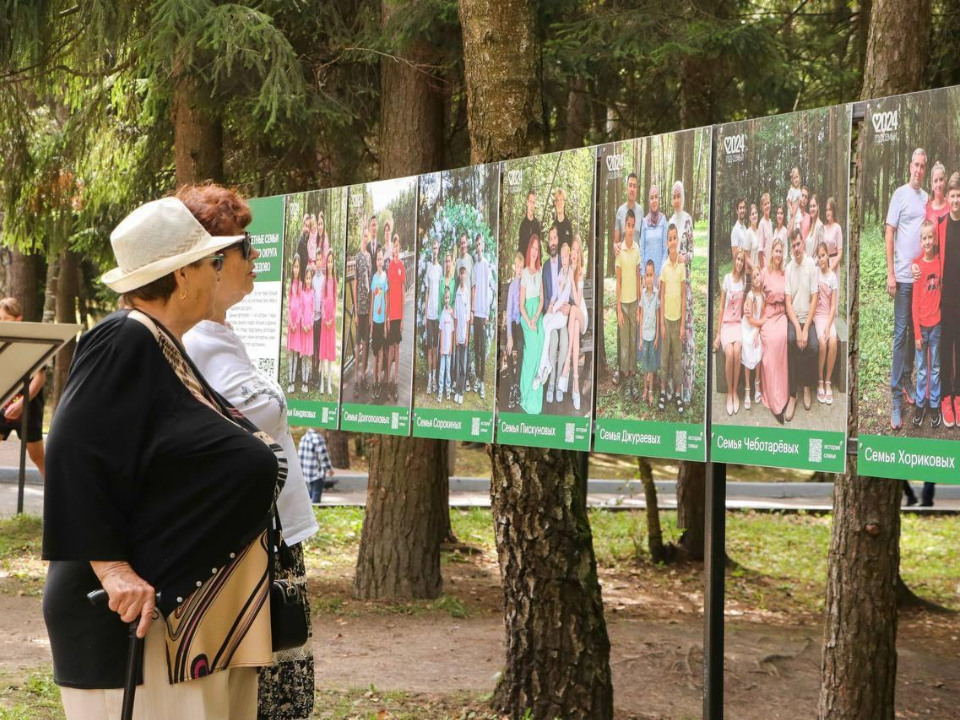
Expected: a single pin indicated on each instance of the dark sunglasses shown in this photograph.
(245, 246)
(217, 261)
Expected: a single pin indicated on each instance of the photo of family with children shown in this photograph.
(780, 299)
(654, 235)
(910, 267)
(546, 284)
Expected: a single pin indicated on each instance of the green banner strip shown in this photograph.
(309, 413)
(475, 425)
(546, 431)
(266, 230)
(779, 447)
(906, 458)
(381, 419)
(679, 441)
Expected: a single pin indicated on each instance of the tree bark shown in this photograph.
(503, 70)
(558, 653)
(577, 115)
(68, 289)
(399, 547)
(198, 133)
(858, 672)
(556, 638)
(408, 513)
(654, 534)
(691, 508)
(338, 446)
(24, 283)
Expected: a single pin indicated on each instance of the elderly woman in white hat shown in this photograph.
(155, 484)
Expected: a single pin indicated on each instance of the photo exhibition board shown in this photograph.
(653, 197)
(910, 303)
(780, 221)
(545, 383)
(379, 307)
(456, 313)
(311, 325)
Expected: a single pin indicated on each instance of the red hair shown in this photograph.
(215, 207)
(534, 242)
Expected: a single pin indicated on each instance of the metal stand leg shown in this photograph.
(713, 595)
(24, 418)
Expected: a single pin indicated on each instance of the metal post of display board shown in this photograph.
(24, 424)
(714, 530)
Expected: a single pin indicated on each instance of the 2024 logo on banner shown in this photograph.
(885, 125)
(614, 165)
(735, 147)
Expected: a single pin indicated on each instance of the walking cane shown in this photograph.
(134, 656)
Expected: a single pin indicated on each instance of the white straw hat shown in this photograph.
(156, 239)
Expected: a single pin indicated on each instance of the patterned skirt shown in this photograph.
(286, 687)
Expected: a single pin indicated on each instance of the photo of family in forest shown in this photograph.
(654, 229)
(546, 285)
(910, 266)
(780, 325)
(379, 293)
(313, 249)
(457, 278)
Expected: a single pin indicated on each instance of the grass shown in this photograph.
(33, 697)
(20, 539)
(370, 703)
(876, 333)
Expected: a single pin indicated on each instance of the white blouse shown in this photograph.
(221, 357)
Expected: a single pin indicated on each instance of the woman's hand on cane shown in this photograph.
(130, 595)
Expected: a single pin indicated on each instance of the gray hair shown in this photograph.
(678, 185)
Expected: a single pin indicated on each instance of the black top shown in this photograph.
(528, 228)
(950, 282)
(139, 470)
(564, 231)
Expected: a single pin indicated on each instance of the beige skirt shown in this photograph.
(230, 694)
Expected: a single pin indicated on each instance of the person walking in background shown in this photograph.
(315, 461)
(11, 415)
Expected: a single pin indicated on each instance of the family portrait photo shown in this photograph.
(379, 293)
(311, 322)
(654, 198)
(910, 266)
(457, 281)
(779, 291)
(546, 275)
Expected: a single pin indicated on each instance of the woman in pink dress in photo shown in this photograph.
(328, 331)
(295, 322)
(306, 334)
(773, 336)
(729, 334)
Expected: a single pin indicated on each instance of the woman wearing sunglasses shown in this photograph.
(156, 484)
(286, 688)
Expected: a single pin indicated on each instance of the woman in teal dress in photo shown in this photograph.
(531, 310)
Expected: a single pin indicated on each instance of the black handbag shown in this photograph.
(288, 601)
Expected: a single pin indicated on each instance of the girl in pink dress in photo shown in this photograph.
(306, 334)
(294, 322)
(328, 331)
(773, 336)
(729, 330)
(824, 319)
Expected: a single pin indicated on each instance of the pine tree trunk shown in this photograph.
(858, 673)
(654, 533)
(407, 513)
(24, 283)
(338, 446)
(557, 646)
(503, 70)
(399, 547)
(558, 653)
(68, 289)
(691, 508)
(50, 289)
(577, 117)
(198, 133)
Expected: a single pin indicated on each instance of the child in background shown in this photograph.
(294, 322)
(317, 314)
(315, 461)
(378, 295)
(11, 414)
(448, 326)
(328, 333)
(673, 308)
(649, 330)
(557, 313)
(514, 333)
(751, 351)
(306, 338)
(824, 319)
(794, 195)
(462, 316)
(926, 327)
(628, 315)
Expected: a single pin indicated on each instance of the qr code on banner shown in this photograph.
(815, 453)
(475, 426)
(681, 443)
(267, 366)
(394, 420)
(569, 432)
